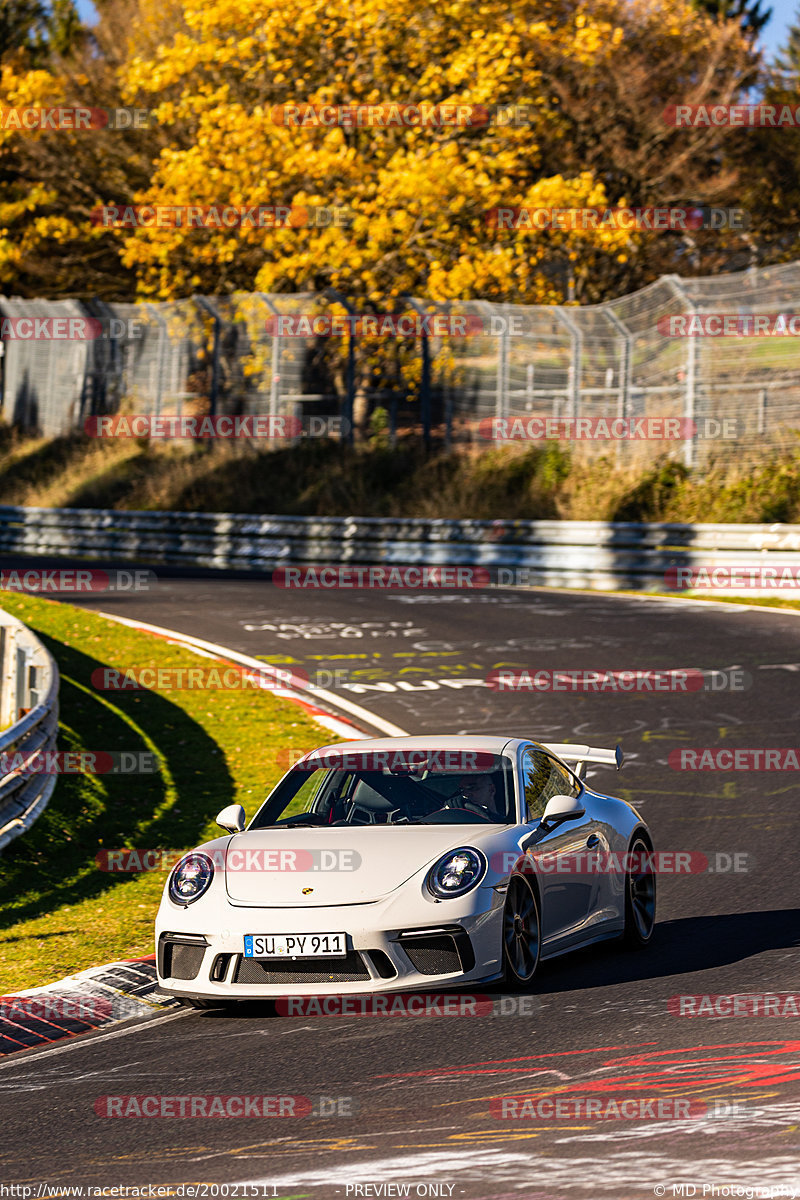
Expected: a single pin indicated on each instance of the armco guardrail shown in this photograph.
(29, 709)
(585, 554)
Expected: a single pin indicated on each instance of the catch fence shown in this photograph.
(626, 362)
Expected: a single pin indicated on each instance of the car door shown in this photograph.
(567, 895)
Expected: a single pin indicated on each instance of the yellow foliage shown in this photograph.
(413, 203)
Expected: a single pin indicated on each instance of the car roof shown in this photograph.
(449, 741)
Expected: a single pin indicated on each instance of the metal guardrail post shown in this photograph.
(206, 304)
(331, 293)
(502, 374)
(8, 693)
(689, 407)
(626, 362)
(425, 381)
(162, 338)
(625, 369)
(502, 405)
(275, 367)
(576, 338)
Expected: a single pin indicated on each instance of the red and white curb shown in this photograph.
(81, 1003)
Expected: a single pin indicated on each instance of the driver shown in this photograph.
(478, 791)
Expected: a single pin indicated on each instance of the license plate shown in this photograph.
(295, 945)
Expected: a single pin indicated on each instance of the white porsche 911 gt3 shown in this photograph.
(411, 863)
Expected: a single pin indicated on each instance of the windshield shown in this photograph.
(358, 788)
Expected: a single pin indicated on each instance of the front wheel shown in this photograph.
(640, 897)
(522, 933)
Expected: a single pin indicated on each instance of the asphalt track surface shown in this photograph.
(601, 1024)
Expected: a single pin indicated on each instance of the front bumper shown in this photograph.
(384, 954)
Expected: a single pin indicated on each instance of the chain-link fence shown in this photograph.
(595, 376)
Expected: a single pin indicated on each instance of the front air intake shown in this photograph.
(310, 970)
(435, 954)
(180, 956)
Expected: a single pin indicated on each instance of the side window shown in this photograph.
(543, 778)
(305, 795)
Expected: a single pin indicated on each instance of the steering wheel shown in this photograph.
(477, 810)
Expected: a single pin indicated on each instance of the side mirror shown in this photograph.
(232, 818)
(562, 808)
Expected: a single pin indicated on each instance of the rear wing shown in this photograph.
(579, 756)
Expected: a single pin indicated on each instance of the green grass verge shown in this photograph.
(757, 601)
(59, 912)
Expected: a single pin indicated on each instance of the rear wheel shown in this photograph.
(521, 933)
(640, 896)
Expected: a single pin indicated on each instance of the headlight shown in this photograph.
(191, 878)
(457, 872)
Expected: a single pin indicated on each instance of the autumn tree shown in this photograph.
(417, 198)
(54, 179)
(609, 120)
(747, 15)
(591, 79)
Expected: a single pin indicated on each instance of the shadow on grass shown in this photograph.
(111, 487)
(37, 937)
(40, 466)
(55, 862)
(320, 477)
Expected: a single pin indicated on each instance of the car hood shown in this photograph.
(344, 865)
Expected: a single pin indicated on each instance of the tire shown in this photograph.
(522, 934)
(640, 900)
